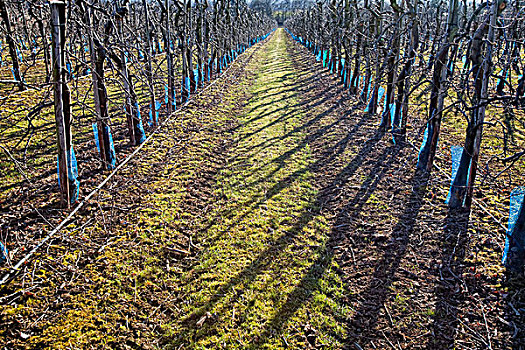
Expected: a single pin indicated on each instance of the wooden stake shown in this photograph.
(58, 9)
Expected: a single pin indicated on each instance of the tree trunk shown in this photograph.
(149, 69)
(98, 56)
(463, 184)
(11, 44)
(169, 58)
(62, 104)
(136, 135)
(438, 93)
(403, 84)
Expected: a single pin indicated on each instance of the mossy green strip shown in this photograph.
(255, 285)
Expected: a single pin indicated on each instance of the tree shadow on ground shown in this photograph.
(451, 288)
(361, 327)
(249, 273)
(310, 282)
(311, 135)
(304, 104)
(515, 311)
(327, 153)
(333, 153)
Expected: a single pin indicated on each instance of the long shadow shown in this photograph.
(515, 307)
(313, 102)
(271, 141)
(448, 290)
(300, 84)
(249, 273)
(305, 126)
(309, 284)
(334, 151)
(292, 108)
(309, 103)
(319, 133)
(283, 184)
(257, 266)
(265, 260)
(361, 328)
(286, 116)
(281, 159)
(304, 80)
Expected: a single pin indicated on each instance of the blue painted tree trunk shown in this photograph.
(514, 253)
(458, 190)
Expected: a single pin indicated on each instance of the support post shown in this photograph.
(62, 113)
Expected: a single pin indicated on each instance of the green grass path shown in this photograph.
(264, 236)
